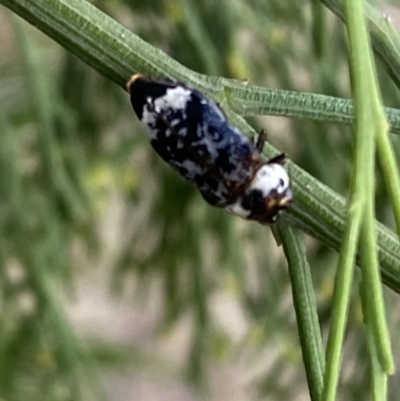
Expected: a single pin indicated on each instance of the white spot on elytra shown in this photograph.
(175, 98)
(191, 167)
(207, 142)
(149, 120)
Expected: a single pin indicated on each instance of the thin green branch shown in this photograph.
(370, 119)
(117, 53)
(378, 376)
(250, 100)
(372, 125)
(386, 43)
(319, 33)
(388, 162)
(384, 36)
(305, 307)
(344, 278)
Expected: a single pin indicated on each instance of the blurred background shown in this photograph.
(117, 281)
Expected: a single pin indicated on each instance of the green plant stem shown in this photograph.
(369, 120)
(344, 277)
(386, 43)
(319, 33)
(388, 162)
(117, 53)
(372, 125)
(305, 307)
(375, 305)
(384, 35)
(250, 100)
(379, 377)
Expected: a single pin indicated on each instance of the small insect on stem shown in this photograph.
(192, 134)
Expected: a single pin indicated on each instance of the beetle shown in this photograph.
(193, 135)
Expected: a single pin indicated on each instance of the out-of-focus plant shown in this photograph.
(70, 143)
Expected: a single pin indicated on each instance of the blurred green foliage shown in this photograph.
(71, 149)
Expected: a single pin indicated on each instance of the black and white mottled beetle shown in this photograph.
(192, 134)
